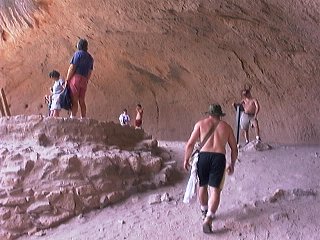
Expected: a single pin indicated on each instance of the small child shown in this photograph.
(57, 89)
(124, 118)
(138, 122)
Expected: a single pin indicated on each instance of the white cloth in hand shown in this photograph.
(191, 190)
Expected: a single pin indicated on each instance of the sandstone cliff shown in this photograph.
(173, 57)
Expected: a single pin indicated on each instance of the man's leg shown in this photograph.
(213, 204)
(203, 199)
(246, 135)
(256, 127)
(244, 124)
(214, 199)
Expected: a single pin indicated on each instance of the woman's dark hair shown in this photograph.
(82, 45)
(54, 74)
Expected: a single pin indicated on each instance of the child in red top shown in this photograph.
(138, 121)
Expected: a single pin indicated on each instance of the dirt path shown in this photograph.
(249, 208)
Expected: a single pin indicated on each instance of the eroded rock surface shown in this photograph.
(174, 57)
(54, 169)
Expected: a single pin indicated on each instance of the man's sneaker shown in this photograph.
(203, 214)
(207, 225)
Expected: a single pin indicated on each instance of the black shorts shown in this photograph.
(211, 169)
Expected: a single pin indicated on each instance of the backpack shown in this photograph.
(65, 99)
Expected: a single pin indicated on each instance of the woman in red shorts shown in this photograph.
(79, 72)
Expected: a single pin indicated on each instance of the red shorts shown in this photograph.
(138, 122)
(78, 86)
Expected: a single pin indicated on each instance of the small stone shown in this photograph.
(53, 196)
(14, 201)
(32, 231)
(65, 202)
(135, 163)
(48, 221)
(104, 201)
(85, 190)
(91, 202)
(40, 233)
(165, 197)
(154, 199)
(5, 213)
(167, 157)
(29, 191)
(34, 156)
(39, 207)
(15, 191)
(115, 196)
(135, 199)
(278, 194)
(43, 140)
(277, 216)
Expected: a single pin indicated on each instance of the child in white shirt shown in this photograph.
(124, 118)
(57, 89)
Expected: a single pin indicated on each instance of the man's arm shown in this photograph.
(234, 151)
(256, 103)
(190, 144)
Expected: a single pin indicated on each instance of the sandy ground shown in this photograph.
(273, 194)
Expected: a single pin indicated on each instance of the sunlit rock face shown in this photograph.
(16, 16)
(173, 57)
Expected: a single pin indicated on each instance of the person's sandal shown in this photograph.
(206, 226)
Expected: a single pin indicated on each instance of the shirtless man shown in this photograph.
(138, 122)
(249, 115)
(212, 161)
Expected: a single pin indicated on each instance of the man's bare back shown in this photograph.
(222, 135)
(218, 140)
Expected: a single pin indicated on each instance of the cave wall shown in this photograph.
(176, 57)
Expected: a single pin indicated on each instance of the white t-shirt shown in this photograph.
(57, 87)
(124, 119)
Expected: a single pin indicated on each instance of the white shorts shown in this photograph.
(55, 102)
(246, 120)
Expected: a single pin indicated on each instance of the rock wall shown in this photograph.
(18, 16)
(176, 57)
(54, 169)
